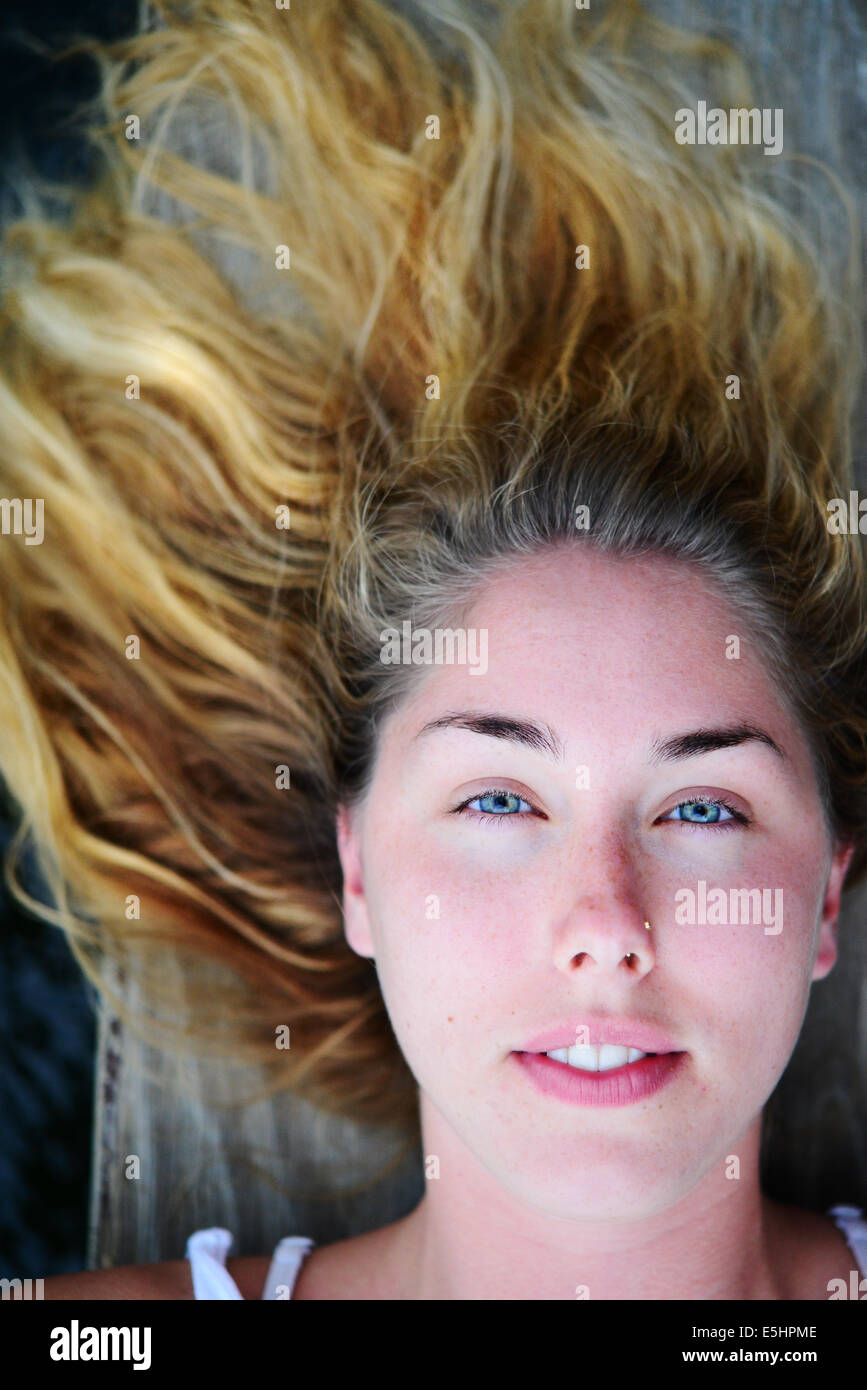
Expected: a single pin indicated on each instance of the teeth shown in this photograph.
(603, 1058)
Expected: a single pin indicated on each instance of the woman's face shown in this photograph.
(489, 930)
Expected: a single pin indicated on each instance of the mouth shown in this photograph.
(605, 1057)
(607, 1075)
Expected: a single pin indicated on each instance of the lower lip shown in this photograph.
(620, 1086)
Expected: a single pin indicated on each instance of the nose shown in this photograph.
(604, 930)
(602, 941)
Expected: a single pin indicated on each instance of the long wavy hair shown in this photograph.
(317, 352)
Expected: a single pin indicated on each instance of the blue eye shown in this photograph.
(497, 804)
(705, 811)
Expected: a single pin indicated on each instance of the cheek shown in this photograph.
(460, 903)
(749, 987)
(747, 991)
(779, 901)
(452, 935)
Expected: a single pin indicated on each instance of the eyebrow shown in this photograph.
(539, 737)
(709, 741)
(543, 739)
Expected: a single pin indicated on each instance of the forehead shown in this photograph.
(588, 595)
(602, 645)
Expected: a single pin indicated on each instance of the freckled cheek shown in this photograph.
(420, 878)
(449, 934)
(747, 990)
(443, 901)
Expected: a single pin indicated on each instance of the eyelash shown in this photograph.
(738, 817)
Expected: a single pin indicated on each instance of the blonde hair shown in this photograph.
(435, 394)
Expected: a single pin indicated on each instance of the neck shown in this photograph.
(471, 1238)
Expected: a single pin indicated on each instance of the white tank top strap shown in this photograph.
(287, 1260)
(850, 1220)
(206, 1252)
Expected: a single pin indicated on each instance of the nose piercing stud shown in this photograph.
(630, 955)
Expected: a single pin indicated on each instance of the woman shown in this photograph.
(558, 416)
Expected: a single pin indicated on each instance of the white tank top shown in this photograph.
(207, 1250)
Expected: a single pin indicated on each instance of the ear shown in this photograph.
(355, 919)
(827, 952)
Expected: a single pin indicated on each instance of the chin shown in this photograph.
(595, 1184)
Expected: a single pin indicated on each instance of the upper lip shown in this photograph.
(618, 1032)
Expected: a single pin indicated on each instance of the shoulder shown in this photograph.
(812, 1251)
(171, 1279)
(359, 1268)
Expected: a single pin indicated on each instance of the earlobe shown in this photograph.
(826, 955)
(355, 919)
